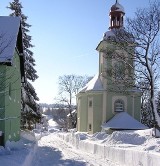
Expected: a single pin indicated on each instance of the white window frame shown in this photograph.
(119, 105)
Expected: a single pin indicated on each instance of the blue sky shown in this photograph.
(65, 34)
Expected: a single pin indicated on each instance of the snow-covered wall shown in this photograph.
(123, 155)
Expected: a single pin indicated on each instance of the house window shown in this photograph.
(90, 127)
(119, 105)
(90, 103)
(119, 70)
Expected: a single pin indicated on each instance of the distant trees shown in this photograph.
(58, 112)
(69, 85)
(60, 116)
(30, 112)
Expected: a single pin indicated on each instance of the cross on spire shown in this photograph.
(117, 1)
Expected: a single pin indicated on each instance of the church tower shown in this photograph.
(111, 92)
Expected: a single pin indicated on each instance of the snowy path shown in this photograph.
(52, 151)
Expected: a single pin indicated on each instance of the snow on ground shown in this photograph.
(53, 126)
(52, 151)
(129, 148)
(16, 153)
(57, 148)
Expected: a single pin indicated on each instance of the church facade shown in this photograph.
(111, 92)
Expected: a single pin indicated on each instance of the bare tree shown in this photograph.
(69, 85)
(140, 40)
(145, 28)
(60, 116)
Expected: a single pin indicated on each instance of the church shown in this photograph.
(110, 100)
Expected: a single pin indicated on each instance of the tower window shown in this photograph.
(90, 103)
(119, 105)
(122, 21)
(118, 21)
(113, 21)
(119, 70)
(90, 127)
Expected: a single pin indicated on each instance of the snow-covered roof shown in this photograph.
(124, 121)
(118, 35)
(93, 85)
(108, 34)
(117, 7)
(9, 29)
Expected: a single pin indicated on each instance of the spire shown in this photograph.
(116, 15)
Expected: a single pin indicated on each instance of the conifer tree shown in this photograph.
(30, 109)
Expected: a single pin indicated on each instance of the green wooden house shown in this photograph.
(11, 77)
(107, 96)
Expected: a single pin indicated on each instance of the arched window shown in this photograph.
(113, 21)
(119, 105)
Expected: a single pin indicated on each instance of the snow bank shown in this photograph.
(131, 157)
(28, 160)
(3, 151)
(123, 147)
(12, 145)
(124, 138)
(28, 135)
(19, 153)
(99, 136)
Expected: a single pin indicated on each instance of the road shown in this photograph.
(52, 151)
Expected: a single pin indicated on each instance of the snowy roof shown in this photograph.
(118, 35)
(123, 120)
(108, 34)
(94, 84)
(9, 30)
(117, 7)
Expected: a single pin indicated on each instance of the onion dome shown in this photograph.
(117, 7)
